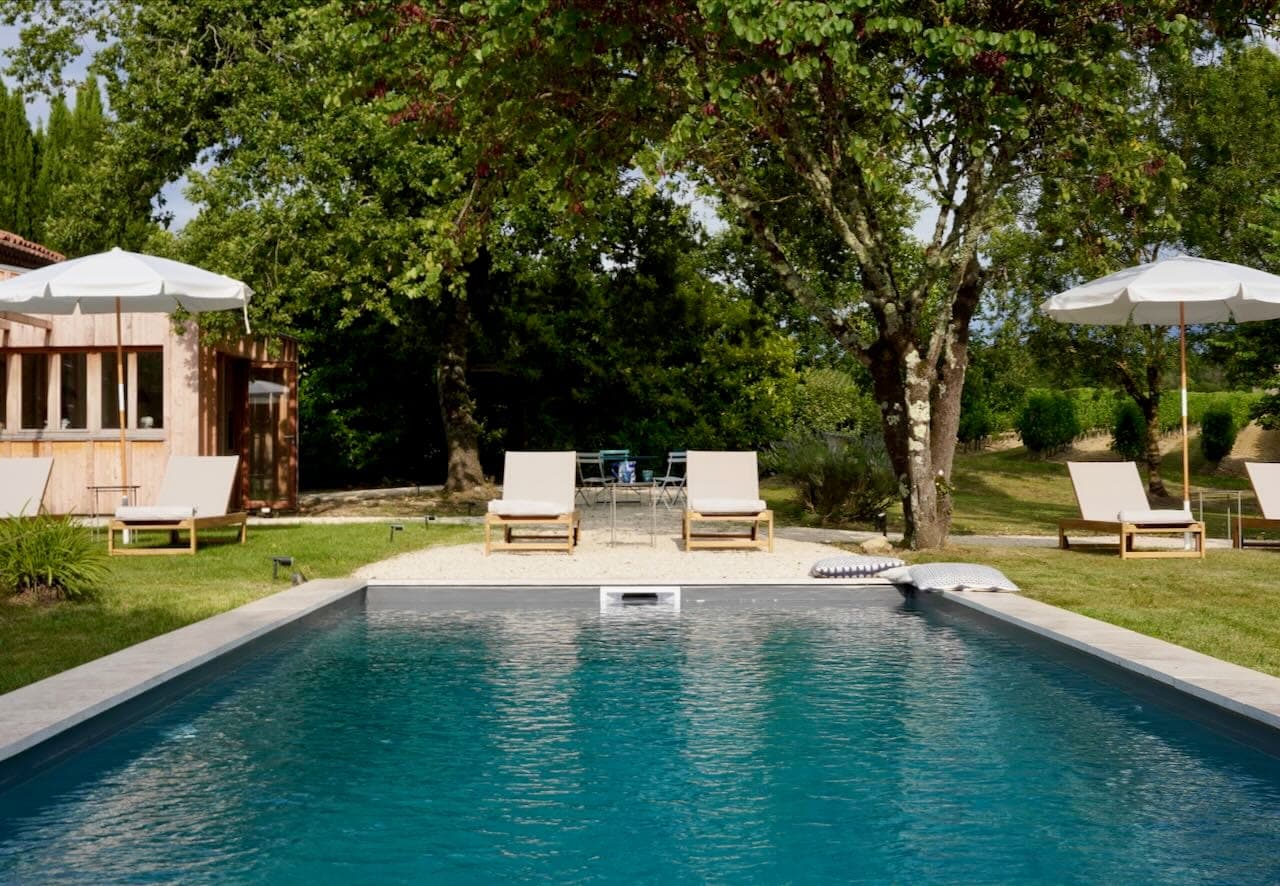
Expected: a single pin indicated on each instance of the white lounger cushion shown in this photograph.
(1154, 518)
(727, 505)
(158, 513)
(516, 507)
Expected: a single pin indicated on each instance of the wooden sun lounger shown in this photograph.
(1104, 491)
(193, 497)
(1265, 477)
(537, 491)
(22, 485)
(724, 488)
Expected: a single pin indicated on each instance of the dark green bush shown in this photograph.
(1217, 433)
(1048, 422)
(837, 478)
(976, 420)
(1129, 431)
(50, 556)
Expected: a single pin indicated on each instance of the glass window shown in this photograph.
(35, 391)
(110, 404)
(74, 408)
(151, 389)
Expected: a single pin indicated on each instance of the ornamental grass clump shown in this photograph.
(49, 557)
(837, 478)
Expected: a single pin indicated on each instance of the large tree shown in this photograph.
(848, 113)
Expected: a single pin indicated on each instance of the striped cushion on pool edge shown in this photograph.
(852, 566)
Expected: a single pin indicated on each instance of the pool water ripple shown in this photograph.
(849, 743)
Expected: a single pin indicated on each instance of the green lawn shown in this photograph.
(1227, 605)
(147, 596)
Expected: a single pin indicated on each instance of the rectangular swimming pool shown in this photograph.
(758, 735)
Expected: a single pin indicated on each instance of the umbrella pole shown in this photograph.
(120, 374)
(1186, 459)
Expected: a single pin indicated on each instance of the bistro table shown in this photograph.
(640, 488)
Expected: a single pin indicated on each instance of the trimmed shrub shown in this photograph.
(1217, 433)
(837, 478)
(1048, 422)
(1129, 431)
(829, 401)
(50, 556)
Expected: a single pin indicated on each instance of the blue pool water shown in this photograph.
(861, 741)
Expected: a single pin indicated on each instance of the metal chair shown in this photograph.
(671, 485)
(592, 475)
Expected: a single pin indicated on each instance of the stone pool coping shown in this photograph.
(45, 709)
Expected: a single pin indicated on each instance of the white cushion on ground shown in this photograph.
(956, 576)
(727, 505)
(1157, 517)
(852, 566)
(519, 507)
(158, 513)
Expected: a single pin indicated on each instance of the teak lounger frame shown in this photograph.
(512, 542)
(748, 539)
(191, 525)
(1127, 531)
(1242, 523)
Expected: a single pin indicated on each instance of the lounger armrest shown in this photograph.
(517, 507)
(727, 505)
(157, 513)
(1157, 518)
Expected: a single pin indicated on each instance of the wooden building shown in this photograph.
(184, 397)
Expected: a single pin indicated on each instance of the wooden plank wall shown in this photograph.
(84, 458)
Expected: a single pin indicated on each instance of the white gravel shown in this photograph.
(630, 558)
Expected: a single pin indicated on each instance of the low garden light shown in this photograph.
(276, 563)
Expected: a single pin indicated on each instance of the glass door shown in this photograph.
(271, 444)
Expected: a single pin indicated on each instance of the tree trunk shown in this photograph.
(919, 401)
(457, 408)
(1151, 412)
(905, 400)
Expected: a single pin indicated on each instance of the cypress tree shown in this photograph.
(17, 165)
(54, 164)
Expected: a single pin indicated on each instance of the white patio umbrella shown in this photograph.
(1172, 292)
(118, 281)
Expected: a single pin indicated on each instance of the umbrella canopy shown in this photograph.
(1172, 291)
(142, 283)
(116, 281)
(1207, 291)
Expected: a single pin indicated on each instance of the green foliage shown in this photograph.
(50, 557)
(1217, 433)
(1048, 422)
(1240, 404)
(976, 419)
(1129, 431)
(831, 401)
(837, 478)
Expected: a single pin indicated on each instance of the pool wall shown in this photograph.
(48, 720)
